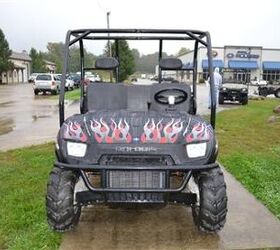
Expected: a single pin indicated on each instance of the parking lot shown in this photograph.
(26, 119)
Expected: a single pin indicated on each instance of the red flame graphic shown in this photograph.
(199, 132)
(153, 132)
(74, 131)
(119, 132)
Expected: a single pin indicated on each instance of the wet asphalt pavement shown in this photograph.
(26, 120)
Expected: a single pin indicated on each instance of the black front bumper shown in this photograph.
(186, 169)
(233, 95)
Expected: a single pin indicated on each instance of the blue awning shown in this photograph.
(236, 64)
(216, 63)
(271, 65)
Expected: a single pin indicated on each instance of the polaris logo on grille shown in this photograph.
(135, 149)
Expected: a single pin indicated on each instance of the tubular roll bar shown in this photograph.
(200, 37)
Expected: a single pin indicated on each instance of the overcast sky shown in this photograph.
(33, 23)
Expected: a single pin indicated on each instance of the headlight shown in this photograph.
(244, 90)
(196, 149)
(224, 89)
(76, 149)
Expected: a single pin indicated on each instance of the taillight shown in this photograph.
(53, 83)
(86, 81)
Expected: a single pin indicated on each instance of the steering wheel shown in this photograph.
(178, 95)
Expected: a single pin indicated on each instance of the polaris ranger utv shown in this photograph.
(234, 89)
(134, 144)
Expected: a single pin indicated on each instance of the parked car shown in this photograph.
(47, 83)
(76, 78)
(154, 78)
(270, 89)
(258, 82)
(69, 85)
(32, 77)
(93, 77)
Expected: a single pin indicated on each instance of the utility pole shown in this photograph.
(109, 43)
(108, 27)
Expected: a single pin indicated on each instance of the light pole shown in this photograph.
(108, 27)
(109, 43)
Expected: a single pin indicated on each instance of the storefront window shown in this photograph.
(270, 75)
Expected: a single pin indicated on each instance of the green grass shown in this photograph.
(250, 149)
(23, 178)
(72, 95)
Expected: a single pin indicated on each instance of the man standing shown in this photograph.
(218, 81)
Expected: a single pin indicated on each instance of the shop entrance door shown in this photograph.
(242, 76)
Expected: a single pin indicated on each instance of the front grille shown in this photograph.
(136, 179)
(131, 160)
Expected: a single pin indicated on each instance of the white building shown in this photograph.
(21, 71)
(259, 63)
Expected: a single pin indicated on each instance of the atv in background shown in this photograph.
(137, 144)
(273, 88)
(233, 90)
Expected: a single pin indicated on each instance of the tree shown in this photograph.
(182, 51)
(37, 64)
(147, 63)
(126, 59)
(5, 54)
(55, 54)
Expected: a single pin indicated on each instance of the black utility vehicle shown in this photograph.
(272, 88)
(233, 89)
(134, 144)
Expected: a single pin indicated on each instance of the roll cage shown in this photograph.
(78, 36)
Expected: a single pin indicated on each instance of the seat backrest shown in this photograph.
(138, 97)
(119, 96)
(106, 96)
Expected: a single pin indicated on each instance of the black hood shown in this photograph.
(125, 127)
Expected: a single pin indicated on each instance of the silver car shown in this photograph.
(47, 83)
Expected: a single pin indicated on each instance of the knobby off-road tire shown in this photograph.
(244, 100)
(62, 214)
(277, 93)
(221, 99)
(210, 214)
(263, 92)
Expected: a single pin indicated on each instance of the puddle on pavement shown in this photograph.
(36, 117)
(6, 125)
(6, 104)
